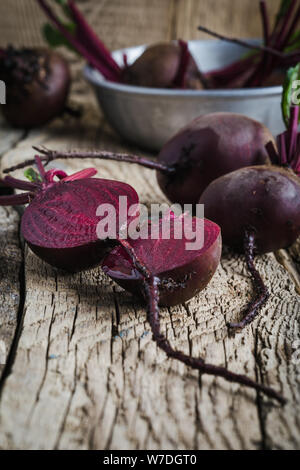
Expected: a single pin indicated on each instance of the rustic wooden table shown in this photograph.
(80, 368)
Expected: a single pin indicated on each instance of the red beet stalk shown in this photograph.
(271, 55)
(86, 42)
(90, 39)
(288, 144)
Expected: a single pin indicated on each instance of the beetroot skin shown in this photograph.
(158, 67)
(37, 85)
(182, 273)
(264, 199)
(210, 146)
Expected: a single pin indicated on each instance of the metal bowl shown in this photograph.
(148, 117)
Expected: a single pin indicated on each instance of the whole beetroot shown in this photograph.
(37, 86)
(258, 207)
(166, 65)
(208, 147)
(264, 199)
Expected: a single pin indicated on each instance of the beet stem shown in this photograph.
(255, 305)
(38, 161)
(265, 21)
(282, 36)
(92, 40)
(185, 57)
(240, 42)
(293, 25)
(19, 184)
(292, 132)
(50, 155)
(16, 199)
(273, 153)
(152, 294)
(138, 263)
(109, 73)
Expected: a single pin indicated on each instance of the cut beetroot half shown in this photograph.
(182, 272)
(60, 224)
(61, 221)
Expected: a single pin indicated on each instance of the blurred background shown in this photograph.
(122, 23)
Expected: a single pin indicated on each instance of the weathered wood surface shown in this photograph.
(86, 373)
(128, 23)
(82, 371)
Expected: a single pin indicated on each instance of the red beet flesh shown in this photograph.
(210, 146)
(60, 223)
(264, 199)
(158, 67)
(37, 85)
(182, 273)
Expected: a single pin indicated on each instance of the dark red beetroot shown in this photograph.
(60, 221)
(182, 273)
(260, 206)
(208, 147)
(164, 66)
(37, 86)
(265, 199)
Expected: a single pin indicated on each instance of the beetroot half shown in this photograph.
(182, 273)
(60, 222)
(37, 86)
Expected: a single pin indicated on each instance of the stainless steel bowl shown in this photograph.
(148, 117)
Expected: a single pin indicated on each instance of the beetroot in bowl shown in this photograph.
(148, 117)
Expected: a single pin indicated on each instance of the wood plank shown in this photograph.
(10, 260)
(229, 17)
(95, 379)
(9, 137)
(10, 272)
(122, 24)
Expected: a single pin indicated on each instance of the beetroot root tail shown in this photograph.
(262, 293)
(151, 286)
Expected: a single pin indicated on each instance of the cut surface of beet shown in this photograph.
(182, 272)
(62, 218)
(64, 215)
(60, 224)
